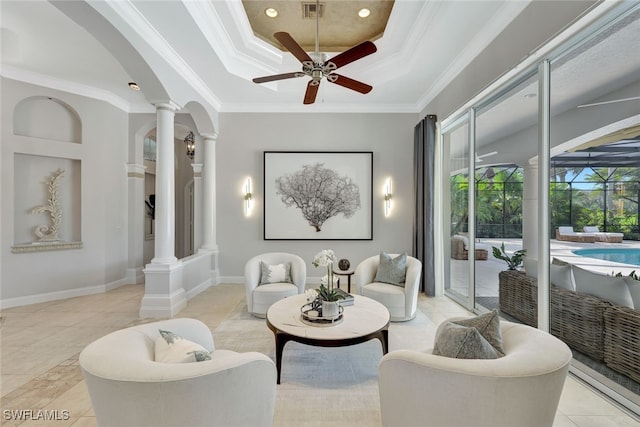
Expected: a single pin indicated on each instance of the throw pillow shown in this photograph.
(172, 348)
(634, 290)
(560, 273)
(562, 277)
(530, 267)
(488, 325)
(391, 270)
(277, 273)
(610, 288)
(462, 342)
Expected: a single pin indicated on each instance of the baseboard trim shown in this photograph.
(116, 284)
(54, 296)
(198, 289)
(135, 275)
(231, 279)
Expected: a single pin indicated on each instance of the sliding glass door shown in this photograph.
(458, 264)
(547, 149)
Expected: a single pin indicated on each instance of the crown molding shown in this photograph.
(38, 79)
(252, 57)
(320, 108)
(137, 23)
(500, 20)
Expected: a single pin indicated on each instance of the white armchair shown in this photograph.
(402, 302)
(260, 297)
(520, 389)
(129, 388)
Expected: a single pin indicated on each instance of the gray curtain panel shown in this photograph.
(424, 163)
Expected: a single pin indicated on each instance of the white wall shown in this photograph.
(103, 194)
(239, 153)
(105, 152)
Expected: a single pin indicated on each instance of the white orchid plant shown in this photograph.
(326, 258)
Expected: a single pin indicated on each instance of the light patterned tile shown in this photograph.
(603, 421)
(578, 399)
(40, 345)
(10, 382)
(85, 422)
(75, 401)
(562, 420)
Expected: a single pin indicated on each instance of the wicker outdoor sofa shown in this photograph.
(606, 332)
(459, 245)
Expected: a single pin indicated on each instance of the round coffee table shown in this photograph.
(365, 320)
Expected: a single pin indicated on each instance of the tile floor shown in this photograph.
(40, 343)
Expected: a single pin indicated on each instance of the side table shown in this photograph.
(347, 273)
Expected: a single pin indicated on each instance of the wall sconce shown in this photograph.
(387, 197)
(247, 197)
(191, 144)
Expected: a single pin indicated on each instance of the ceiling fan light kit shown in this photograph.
(319, 67)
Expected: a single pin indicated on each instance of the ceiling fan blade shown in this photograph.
(613, 101)
(493, 153)
(349, 83)
(312, 91)
(277, 77)
(353, 54)
(292, 46)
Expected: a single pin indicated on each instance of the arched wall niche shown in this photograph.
(47, 118)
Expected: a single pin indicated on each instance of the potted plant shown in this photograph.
(327, 295)
(514, 261)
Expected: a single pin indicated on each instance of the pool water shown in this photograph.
(624, 256)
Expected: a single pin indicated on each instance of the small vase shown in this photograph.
(344, 264)
(330, 308)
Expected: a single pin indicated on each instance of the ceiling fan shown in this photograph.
(319, 68)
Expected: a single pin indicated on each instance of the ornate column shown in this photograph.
(165, 186)
(164, 294)
(197, 205)
(209, 243)
(209, 197)
(136, 221)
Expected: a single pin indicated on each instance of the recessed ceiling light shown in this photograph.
(271, 12)
(363, 13)
(134, 86)
(530, 95)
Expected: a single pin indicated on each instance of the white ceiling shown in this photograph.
(205, 51)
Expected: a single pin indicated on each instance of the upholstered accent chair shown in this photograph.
(261, 292)
(401, 301)
(521, 389)
(128, 387)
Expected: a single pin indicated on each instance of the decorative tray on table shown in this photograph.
(313, 316)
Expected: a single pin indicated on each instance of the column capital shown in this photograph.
(166, 104)
(209, 136)
(135, 168)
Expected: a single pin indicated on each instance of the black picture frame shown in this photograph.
(341, 207)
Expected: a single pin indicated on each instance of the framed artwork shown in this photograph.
(318, 195)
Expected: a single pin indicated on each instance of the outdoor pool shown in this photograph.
(624, 256)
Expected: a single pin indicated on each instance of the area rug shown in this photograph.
(323, 386)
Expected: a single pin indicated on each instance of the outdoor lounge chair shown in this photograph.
(566, 234)
(460, 248)
(602, 236)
